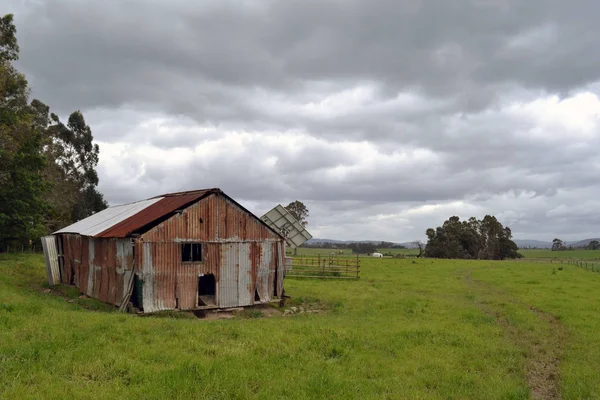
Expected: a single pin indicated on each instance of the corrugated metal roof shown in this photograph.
(123, 220)
(101, 221)
(165, 205)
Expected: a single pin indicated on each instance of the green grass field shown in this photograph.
(408, 329)
(573, 254)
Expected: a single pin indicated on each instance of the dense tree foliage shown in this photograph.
(363, 248)
(48, 173)
(558, 245)
(298, 211)
(593, 245)
(483, 239)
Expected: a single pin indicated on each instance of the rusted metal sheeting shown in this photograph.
(237, 224)
(240, 270)
(214, 218)
(230, 219)
(246, 269)
(87, 269)
(275, 269)
(228, 279)
(263, 271)
(124, 269)
(236, 281)
(280, 268)
(197, 222)
(169, 283)
(72, 257)
(245, 278)
(51, 256)
(100, 268)
(155, 211)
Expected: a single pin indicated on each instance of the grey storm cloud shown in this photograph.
(383, 116)
(203, 56)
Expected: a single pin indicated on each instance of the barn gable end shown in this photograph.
(215, 218)
(245, 257)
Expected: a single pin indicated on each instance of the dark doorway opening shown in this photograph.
(137, 296)
(256, 296)
(207, 288)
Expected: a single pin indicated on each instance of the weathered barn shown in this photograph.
(185, 251)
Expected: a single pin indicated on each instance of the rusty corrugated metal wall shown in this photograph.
(213, 218)
(101, 268)
(245, 257)
(170, 283)
(241, 252)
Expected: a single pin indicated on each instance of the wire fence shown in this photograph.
(17, 249)
(591, 265)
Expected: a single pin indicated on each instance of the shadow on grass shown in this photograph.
(72, 295)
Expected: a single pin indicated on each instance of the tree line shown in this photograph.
(559, 245)
(475, 239)
(48, 175)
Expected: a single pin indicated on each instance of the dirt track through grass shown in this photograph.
(543, 345)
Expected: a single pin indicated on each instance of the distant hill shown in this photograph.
(525, 243)
(409, 245)
(582, 243)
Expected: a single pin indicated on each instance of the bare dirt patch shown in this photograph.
(258, 311)
(543, 351)
(543, 376)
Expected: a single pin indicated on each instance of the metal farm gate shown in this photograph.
(324, 267)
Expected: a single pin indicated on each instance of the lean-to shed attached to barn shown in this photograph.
(185, 251)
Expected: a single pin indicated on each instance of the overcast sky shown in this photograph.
(383, 117)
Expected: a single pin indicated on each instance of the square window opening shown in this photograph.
(191, 252)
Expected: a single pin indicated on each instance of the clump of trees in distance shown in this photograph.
(48, 173)
(300, 213)
(593, 245)
(484, 239)
(363, 248)
(559, 245)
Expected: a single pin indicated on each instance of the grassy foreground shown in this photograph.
(408, 329)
